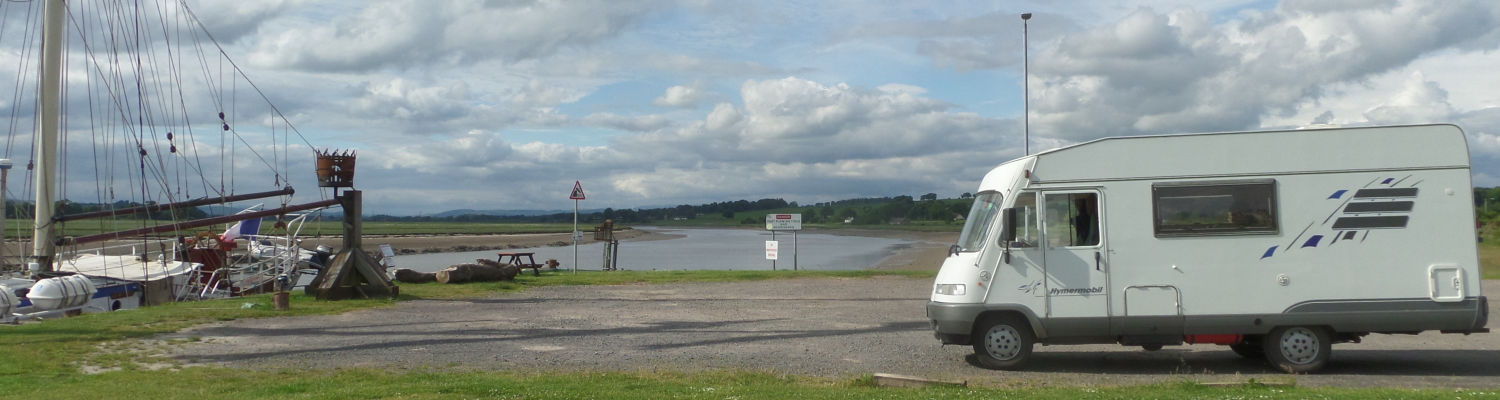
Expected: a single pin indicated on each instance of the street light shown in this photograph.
(1025, 78)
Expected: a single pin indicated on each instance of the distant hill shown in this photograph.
(508, 213)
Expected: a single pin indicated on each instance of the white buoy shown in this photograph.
(61, 292)
(8, 302)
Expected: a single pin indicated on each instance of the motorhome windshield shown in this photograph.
(981, 217)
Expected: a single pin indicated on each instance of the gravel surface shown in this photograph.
(837, 328)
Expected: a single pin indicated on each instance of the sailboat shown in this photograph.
(133, 268)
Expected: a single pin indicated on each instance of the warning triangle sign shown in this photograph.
(577, 191)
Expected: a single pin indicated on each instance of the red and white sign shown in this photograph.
(772, 247)
(783, 222)
(577, 191)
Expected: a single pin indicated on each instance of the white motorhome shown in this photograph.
(1277, 244)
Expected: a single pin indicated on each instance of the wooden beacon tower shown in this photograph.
(352, 273)
(606, 233)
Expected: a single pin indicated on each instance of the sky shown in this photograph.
(503, 104)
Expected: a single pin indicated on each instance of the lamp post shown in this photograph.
(1026, 78)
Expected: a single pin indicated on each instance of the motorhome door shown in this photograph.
(1076, 261)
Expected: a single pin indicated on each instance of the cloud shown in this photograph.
(1420, 101)
(984, 41)
(680, 96)
(231, 20)
(1150, 72)
(401, 99)
(793, 137)
(641, 123)
(408, 33)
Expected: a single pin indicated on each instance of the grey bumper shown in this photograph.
(953, 322)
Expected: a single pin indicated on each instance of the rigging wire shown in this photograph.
(136, 79)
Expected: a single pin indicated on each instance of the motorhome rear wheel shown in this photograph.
(1298, 349)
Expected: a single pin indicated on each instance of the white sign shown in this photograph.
(771, 249)
(577, 235)
(387, 255)
(783, 222)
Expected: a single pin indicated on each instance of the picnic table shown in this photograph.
(522, 260)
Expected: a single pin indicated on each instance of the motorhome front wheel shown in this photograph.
(1004, 343)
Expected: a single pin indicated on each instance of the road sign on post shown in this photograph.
(772, 247)
(783, 222)
(576, 196)
(577, 191)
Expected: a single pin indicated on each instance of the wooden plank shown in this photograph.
(894, 380)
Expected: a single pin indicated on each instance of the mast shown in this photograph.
(46, 137)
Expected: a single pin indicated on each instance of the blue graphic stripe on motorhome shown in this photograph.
(1387, 181)
(1378, 207)
(1337, 194)
(1269, 252)
(1313, 241)
(1386, 192)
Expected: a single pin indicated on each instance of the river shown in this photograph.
(700, 249)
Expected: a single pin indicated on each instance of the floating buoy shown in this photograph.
(61, 292)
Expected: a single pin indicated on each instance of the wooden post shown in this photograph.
(352, 273)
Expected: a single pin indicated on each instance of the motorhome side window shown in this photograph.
(1195, 209)
(1072, 219)
(1028, 228)
(982, 216)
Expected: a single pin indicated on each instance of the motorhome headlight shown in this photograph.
(950, 289)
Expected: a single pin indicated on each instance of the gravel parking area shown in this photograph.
(821, 327)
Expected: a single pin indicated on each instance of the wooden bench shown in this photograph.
(522, 260)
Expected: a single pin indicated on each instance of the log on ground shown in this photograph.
(410, 276)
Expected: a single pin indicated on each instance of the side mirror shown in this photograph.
(1008, 228)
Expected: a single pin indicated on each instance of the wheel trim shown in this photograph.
(1003, 342)
(1299, 346)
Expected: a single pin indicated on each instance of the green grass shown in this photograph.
(42, 360)
(209, 383)
(22, 228)
(1489, 260)
(35, 356)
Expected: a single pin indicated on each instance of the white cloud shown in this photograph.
(1179, 72)
(680, 96)
(404, 100)
(231, 20)
(1420, 101)
(794, 138)
(408, 33)
(640, 123)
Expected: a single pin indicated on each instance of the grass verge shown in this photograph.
(42, 361)
(40, 358)
(210, 383)
(1489, 261)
